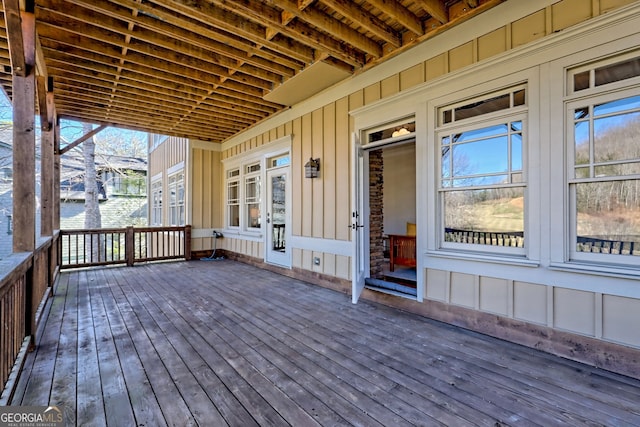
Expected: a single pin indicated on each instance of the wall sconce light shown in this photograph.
(312, 168)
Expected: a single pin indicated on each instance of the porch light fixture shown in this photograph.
(312, 168)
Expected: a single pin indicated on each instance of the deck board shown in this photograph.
(224, 343)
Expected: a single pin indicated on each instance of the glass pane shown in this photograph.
(233, 189)
(617, 106)
(446, 116)
(253, 215)
(617, 72)
(581, 81)
(582, 172)
(252, 190)
(278, 212)
(581, 113)
(618, 169)
(500, 102)
(446, 162)
(516, 126)
(482, 133)
(616, 137)
(480, 157)
(393, 131)
(486, 217)
(607, 217)
(581, 143)
(234, 216)
(516, 152)
(481, 181)
(519, 97)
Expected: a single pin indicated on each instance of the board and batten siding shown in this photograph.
(161, 159)
(205, 197)
(322, 207)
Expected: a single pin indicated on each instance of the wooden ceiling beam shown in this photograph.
(159, 47)
(296, 29)
(437, 9)
(15, 39)
(83, 138)
(219, 17)
(41, 102)
(173, 96)
(355, 13)
(337, 29)
(171, 106)
(395, 10)
(193, 32)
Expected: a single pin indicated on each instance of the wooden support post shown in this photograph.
(187, 242)
(47, 197)
(24, 139)
(56, 175)
(129, 244)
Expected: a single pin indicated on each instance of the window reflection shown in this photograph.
(608, 215)
(489, 216)
(485, 156)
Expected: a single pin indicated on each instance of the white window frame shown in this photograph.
(511, 114)
(233, 179)
(156, 202)
(253, 164)
(176, 204)
(589, 97)
(252, 175)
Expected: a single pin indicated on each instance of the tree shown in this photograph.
(92, 217)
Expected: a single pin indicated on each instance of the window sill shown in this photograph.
(247, 235)
(495, 259)
(620, 271)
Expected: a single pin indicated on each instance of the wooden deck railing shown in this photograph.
(508, 238)
(25, 284)
(26, 279)
(107, 246)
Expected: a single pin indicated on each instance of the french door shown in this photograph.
(278, 213)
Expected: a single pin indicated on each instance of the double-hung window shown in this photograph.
(482, 191)
(156, 202)
(252, 196)
(233, 198)
(176, 199)
(603, 167)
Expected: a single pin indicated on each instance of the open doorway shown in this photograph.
(392, 218)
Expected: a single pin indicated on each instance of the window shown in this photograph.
(6, 174)
(176, 199)
(252, 196)
(156, 203)
(128, 183)
(402, 128)
(604, 177)
(233, 198)
(482, 177)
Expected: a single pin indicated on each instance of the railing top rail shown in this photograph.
(14, 265)
(120, 230)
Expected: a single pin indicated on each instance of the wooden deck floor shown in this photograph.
(223, 343)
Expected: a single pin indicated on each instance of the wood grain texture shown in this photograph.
(226, 343)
